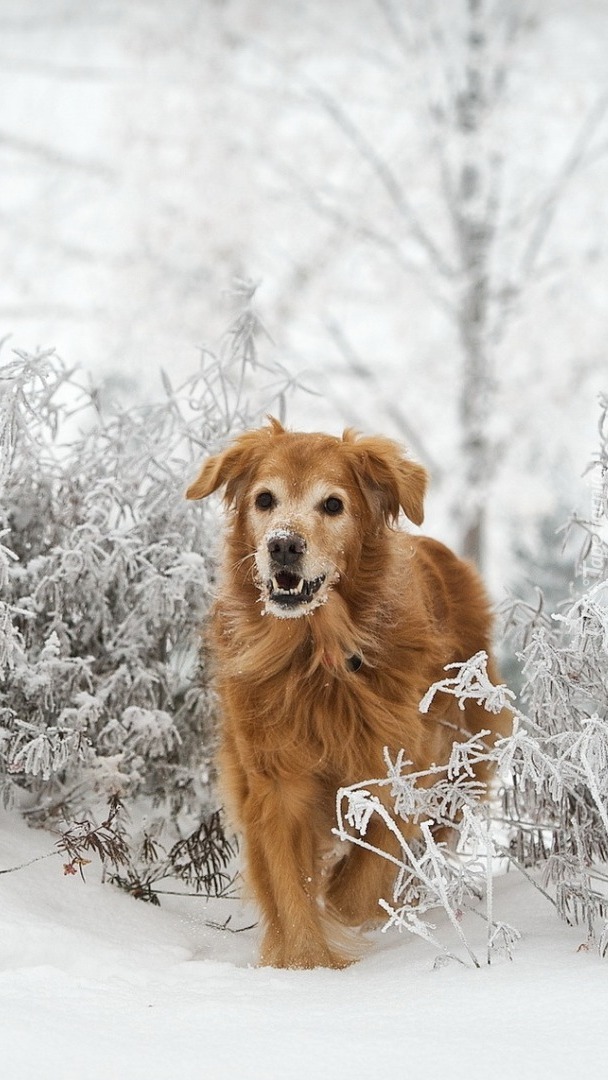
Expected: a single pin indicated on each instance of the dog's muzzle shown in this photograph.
(288, 587)
(289, 590)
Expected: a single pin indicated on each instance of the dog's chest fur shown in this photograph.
(312, 699)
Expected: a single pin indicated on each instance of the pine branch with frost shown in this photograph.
(106, 575)
(470, 683)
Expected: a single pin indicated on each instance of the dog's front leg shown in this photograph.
(280, 836)
(362, 878)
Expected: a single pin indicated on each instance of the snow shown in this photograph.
(96, 985)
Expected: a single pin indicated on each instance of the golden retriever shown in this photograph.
(330, 625)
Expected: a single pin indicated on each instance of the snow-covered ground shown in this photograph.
(97, 986)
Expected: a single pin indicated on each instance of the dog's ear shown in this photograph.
(218, 471)
(234, 464)
(396, 481)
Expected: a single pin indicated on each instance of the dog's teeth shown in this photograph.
(299, 586)
(275, 584)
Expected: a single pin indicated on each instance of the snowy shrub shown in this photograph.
(105, 579)
(550, 817)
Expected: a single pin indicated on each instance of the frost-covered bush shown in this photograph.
(105, 578)
(550, 818)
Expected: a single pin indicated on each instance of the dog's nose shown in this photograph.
(286, 548)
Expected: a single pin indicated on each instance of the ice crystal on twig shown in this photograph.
(550, 817)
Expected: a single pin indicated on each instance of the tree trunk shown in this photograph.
(474, 230)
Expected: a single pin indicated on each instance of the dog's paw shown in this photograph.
(300, 955)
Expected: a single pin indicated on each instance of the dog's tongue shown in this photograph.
(287, 581)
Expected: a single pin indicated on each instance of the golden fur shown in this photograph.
(312, 690)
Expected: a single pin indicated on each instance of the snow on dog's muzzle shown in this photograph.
(291, 580)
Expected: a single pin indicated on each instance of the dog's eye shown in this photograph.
(264, 500)
(333, 506)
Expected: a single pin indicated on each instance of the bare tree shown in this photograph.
(479, 270)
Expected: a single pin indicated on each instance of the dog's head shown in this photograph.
(305, 504)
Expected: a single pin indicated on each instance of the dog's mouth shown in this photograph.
(290, 590)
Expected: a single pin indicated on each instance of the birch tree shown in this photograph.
(480, 258)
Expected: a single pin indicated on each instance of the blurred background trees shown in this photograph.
(419, 188)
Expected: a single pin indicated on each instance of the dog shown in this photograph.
(330, 625)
